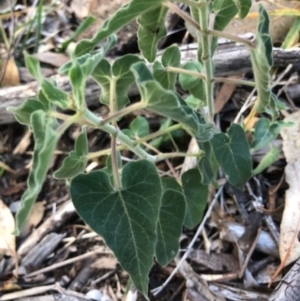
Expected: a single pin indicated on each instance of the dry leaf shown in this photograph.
(279, 23)
(289, 245)
(52, 58)
(34, 218)
(7, 226)
(81, 8)
(11, 75)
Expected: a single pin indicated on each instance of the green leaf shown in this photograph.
(102, 74)
(75, 162)
(193, 102)
(205, 163)
(91, 59)
(151, 29)
(44, 100)
(33, 67)
(122, 17)
(125, 218)
(164, 125)
(169, 227)
(81, 143)
(262, 61)
(85, 24)
(77, 80)
(224, 11)
(193, 84)
(45, 138)
(170, 57)
(269, 158)
(233, 155)
(169, 104)
(139, 127)
(292, 36)
(25, 110)
(55, 95)
(196, 195)
(71, 166)
(119, 75)
(243, 7)
(265, 132)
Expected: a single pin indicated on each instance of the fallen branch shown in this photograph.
(229, 59)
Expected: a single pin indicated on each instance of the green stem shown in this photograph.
(165, 156)
(231, 37)
(113, 142)
(204, 41)
(104, 152)
(123, 112)
(199, 28)
(233, 81)
(97, 122)
(114, 162)
(184, 71)
(159, 133)
(188, 2)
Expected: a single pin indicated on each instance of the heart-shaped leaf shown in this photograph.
(171, 216)
(170, 57)
(77, 80)
(55, 95)
(196, 195)
(169, 104)
(24, 111)
(233, 155)
(151, 29)
(205, 165)
(119, 76)
(243, 7)
(265, 132)
(125, 218)
(91, 59)
(75, 162)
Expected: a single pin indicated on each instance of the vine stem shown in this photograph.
(90, 119)
(204, 41)
(123, 112)
(189, 248)
(159, 133)
(95, 121)
(216, 33)
(214, 79)
(113, 141)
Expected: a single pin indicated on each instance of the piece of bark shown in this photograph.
(216, 262)
(54, 222)
(232, 232)
(41, 251)
(232, 293)
(84, 275)
(229, 59)
(289, 287)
